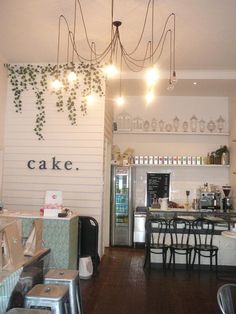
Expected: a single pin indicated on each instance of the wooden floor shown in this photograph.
(123, 287)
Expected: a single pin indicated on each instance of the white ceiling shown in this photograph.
(205, 30)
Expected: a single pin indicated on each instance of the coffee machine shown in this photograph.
(209, 197)
(226, 201)
(209, 200)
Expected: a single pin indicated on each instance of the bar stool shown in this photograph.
(70, 278)
(53, 297)
(180, 230)
(27, 311)
(203, 233)
(155, 243)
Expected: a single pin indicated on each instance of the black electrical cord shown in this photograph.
(115, 45)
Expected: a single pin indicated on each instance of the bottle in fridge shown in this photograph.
(121, 206)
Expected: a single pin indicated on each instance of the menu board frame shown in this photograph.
(154, 186)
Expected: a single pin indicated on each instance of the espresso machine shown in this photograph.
(226, 201)
(209, 197)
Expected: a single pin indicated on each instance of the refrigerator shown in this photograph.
(121, 206)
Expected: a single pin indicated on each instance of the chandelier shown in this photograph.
(115, 57)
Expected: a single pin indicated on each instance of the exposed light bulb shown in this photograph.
(56, 84)
(120, 101)
(110, 70)
(170, 86)
(174, 78)
(90, 99)
(72, 76)
(152, 76)
(149, 97)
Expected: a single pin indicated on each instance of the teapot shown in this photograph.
(164, 203)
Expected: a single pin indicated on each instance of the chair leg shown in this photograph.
(199, 259)
(146, 258)
(171, 253)
(173, 260)
(211, 254)
(216, 257)
(194, 256)
(164, 258)
(189, 261)
(188, 258)
(149, 259)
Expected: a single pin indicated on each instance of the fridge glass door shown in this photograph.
(122, 199)
(121, 209)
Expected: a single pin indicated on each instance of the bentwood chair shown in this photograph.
(225, 296)
(203, 235)
(180, 230)
(156, 229)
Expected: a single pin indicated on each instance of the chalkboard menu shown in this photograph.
(159, 184)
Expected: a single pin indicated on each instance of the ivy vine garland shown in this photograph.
(38, 78)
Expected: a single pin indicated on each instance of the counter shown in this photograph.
(60, 234)
(223, 220)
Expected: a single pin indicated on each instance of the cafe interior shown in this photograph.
(117, 156)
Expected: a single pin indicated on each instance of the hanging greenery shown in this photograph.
(39, 77)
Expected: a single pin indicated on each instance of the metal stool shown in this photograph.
(53, 297)
(27, 311)
(70, 278)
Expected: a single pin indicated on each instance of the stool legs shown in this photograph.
(69, 278)
(75, 298)
(78, 300)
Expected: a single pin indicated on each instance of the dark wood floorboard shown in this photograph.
(123, 287)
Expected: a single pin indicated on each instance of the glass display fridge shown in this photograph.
(121, 206)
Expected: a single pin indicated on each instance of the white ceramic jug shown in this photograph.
(164, 203)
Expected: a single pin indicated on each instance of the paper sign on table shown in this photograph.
(53, 203)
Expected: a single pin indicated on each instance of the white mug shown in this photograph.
(164, 203)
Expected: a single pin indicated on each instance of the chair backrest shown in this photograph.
(203, 231)
(156, 229)
(224, 298)
(180, 230)
(88, 236)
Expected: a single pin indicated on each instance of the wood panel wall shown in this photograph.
(83, 145)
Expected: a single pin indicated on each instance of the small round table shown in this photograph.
(229, 234)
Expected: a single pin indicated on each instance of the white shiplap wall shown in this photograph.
(3, 91)
(24, 189)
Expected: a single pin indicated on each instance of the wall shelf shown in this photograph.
(171, 165)
(172, 133)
